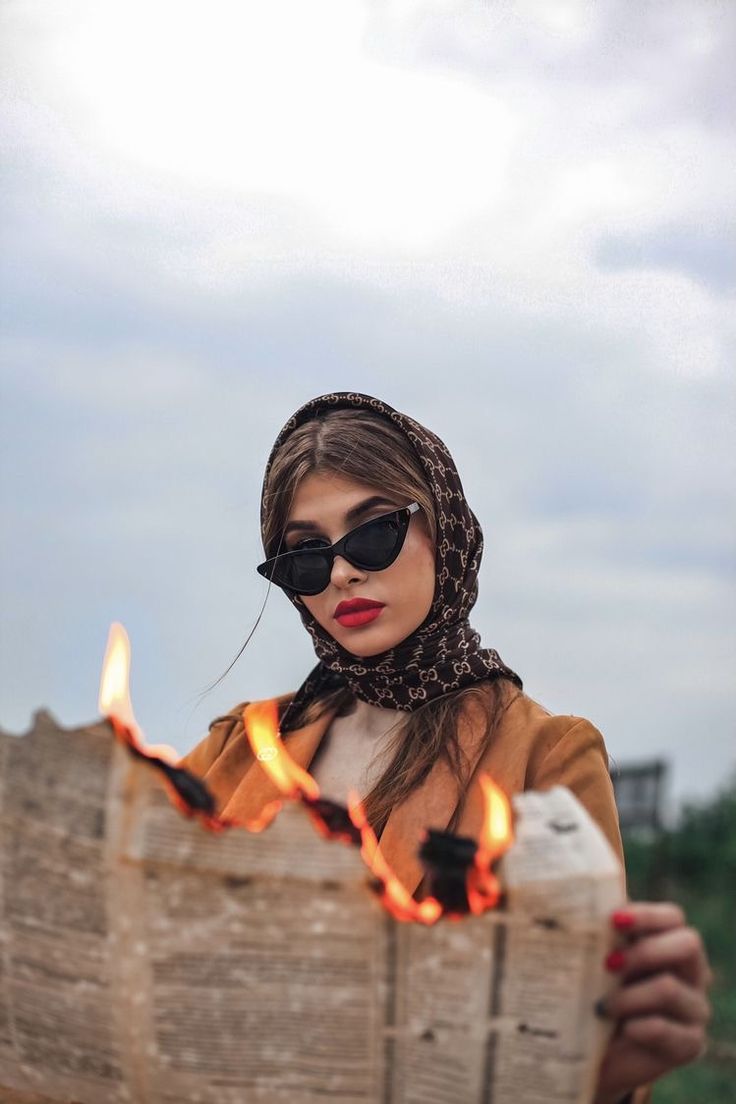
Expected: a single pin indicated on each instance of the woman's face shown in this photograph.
(328, 506)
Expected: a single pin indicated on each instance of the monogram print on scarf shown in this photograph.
(444, 654)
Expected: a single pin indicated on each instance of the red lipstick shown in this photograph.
(357, 611)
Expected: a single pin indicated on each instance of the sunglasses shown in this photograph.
(372, 546)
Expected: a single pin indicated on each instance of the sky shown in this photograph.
(513, 221)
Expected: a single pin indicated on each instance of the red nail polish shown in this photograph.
(615, 961)
(623, 920)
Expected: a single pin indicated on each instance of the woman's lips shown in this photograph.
(359, 617)
(358, 612)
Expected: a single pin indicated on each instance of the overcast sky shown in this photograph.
(513, 221)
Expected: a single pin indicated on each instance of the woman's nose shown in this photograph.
(344, 573)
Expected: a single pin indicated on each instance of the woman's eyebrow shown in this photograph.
(351, 515)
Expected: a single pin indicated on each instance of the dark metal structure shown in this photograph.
(639, 789)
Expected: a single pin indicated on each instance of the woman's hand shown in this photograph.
(661, 1008)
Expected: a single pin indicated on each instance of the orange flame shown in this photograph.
(394, 895)
(261, 723)
(496, 836)
(114, 698)
(114, 703)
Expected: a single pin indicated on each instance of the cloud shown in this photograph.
(708, 256)
(518, 155)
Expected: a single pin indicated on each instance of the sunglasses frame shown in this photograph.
(267, 568)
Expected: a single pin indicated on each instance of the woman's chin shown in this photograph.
(371, 645)
(366, 652)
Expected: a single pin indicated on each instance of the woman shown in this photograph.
(367, 530)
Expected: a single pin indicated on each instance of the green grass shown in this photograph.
(702, 1082)
(695, 865)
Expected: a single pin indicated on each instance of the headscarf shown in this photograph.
(444, 653)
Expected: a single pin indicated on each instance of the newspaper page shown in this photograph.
(56, 1017)
(145, 959)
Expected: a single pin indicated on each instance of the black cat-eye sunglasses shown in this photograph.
(372, 546)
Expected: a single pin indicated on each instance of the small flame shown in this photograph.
(496, 836)
(114, 697)
(261, 721)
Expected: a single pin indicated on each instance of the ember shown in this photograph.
(332, 820)
(191, 790)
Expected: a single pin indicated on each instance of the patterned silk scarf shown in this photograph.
(444, 653)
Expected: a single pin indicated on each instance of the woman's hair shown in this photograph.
(351, 443)
(364, 447)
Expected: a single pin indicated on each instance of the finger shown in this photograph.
(639, 917)
(675, 1043)
(664, 995)
(679, 951)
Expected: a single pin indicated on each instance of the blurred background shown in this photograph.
(512, 220)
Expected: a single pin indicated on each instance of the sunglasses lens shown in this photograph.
(306, 572)
(375, 545)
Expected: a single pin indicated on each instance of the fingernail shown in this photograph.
(623, 919)
(600, 1008)
(615, 961)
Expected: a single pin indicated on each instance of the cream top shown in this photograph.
(354, 751)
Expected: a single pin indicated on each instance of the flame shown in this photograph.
(394, 895)
(496, 836)
(114, 697)
(261, 721)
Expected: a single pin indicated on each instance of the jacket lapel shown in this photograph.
(434, 804)
(430, 806)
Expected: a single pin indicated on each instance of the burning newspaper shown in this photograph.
(147, 960)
